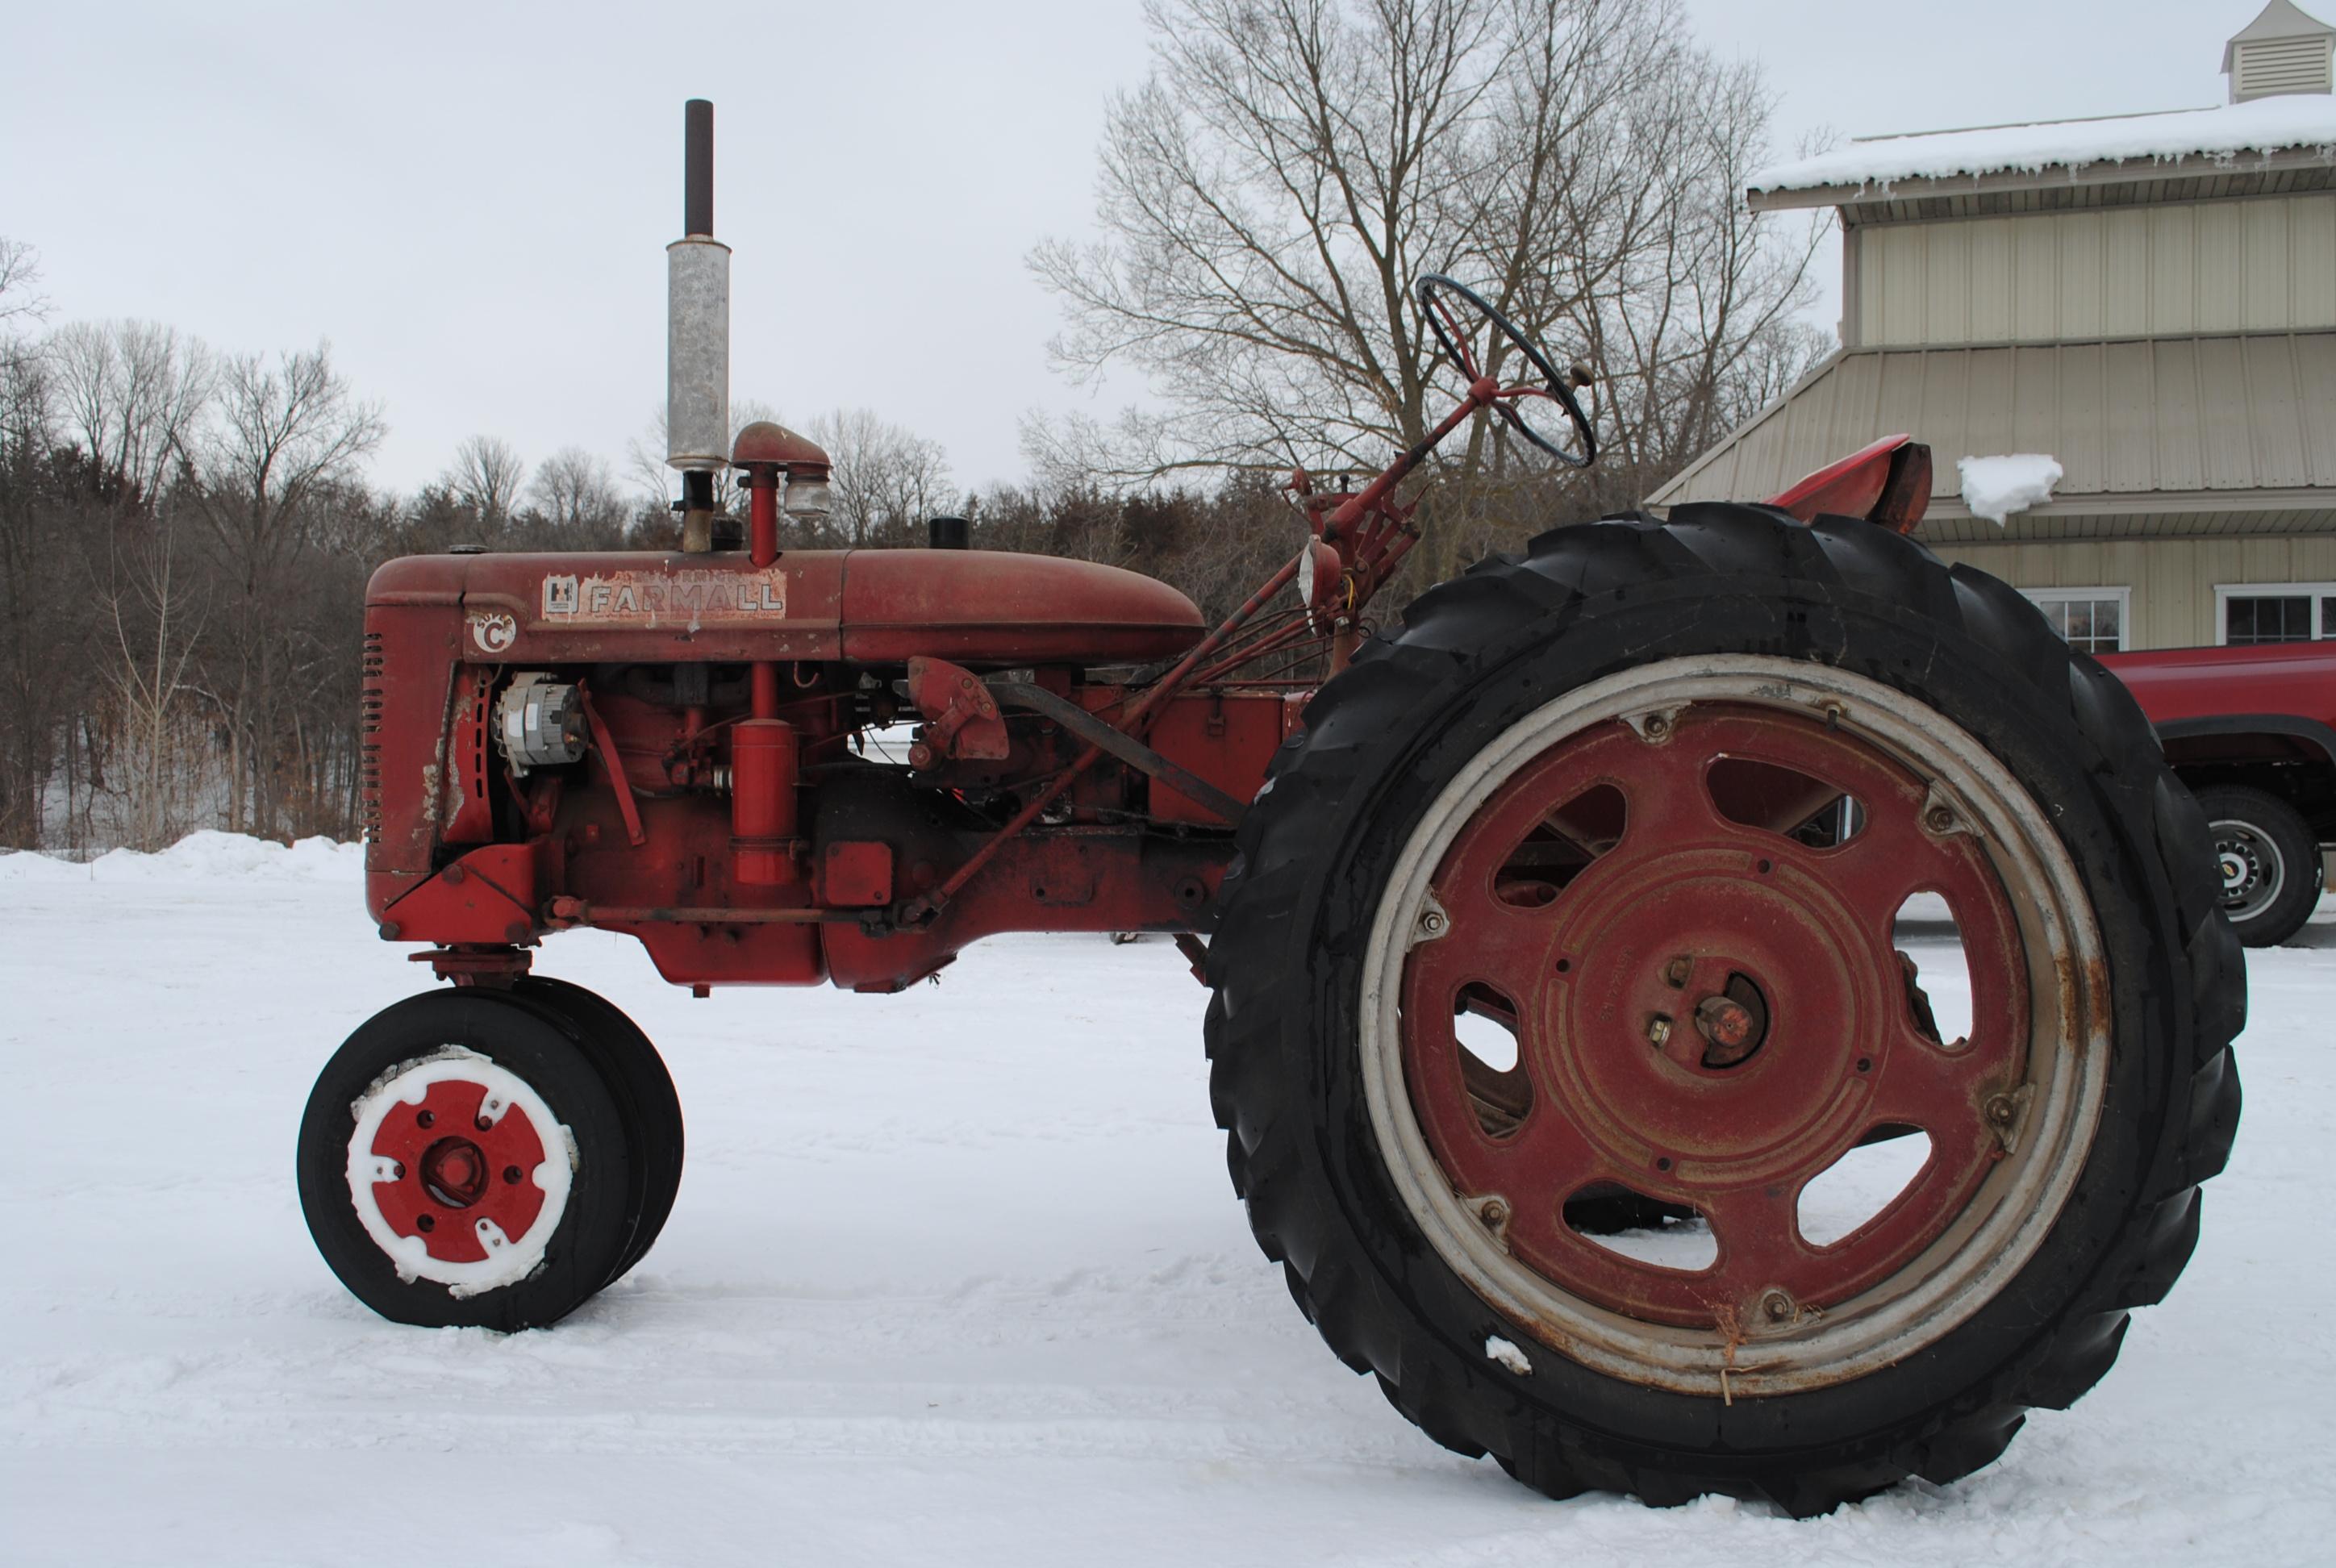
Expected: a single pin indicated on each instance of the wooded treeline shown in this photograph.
(185, 532)
(185, 538)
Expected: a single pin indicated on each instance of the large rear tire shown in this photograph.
(1709, 1011)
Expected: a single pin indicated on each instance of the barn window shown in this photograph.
(2090, 619)
(2249, 613)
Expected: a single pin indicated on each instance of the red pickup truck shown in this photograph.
(2252, 732)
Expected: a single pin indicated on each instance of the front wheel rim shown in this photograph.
(1772, 1314)
(459, 1170)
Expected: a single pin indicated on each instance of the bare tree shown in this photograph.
(578, 498)
(1269, 195)
(286, 434)
(20, 301)
(36, 664)
(887, 479)
(133, 393)
(154, 622)
(487, 474)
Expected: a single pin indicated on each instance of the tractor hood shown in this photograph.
(866, 606)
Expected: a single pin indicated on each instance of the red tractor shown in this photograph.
(1643, 800)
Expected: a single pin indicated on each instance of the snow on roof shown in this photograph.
(2264, 125)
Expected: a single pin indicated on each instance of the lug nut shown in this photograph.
(1431, 922)
(1939, 819)
(1674, 973)
(2001, 1110)
(1658, 1031)
(1777, 1305)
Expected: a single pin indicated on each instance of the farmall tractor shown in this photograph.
(1644, 798)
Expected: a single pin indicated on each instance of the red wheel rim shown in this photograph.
(1709, 1013)
(459, 1170)
(460, 1157)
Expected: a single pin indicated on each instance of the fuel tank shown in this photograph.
(982, 608)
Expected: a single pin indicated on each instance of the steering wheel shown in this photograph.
(1445, 322)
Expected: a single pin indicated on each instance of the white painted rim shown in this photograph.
(2014, 1210)
(510, 1258)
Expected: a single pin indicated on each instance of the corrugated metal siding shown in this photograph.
(2175, 416)
(2256, 265)
(2172, 580)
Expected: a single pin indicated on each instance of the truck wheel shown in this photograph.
(1582, 796)
(645, 1098)
(464, 1161)
(2270, 862)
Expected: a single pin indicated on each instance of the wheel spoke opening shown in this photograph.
(1560, 847)
(1484, 1025)
(1643, 1229)
(1855, 1190)
(1936, 968)
(1785, 800)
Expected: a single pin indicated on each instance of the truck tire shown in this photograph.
(646, 1099)
(463, 1162)
(1709, 1011)
(2269, 860)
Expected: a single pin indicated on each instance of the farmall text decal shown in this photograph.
(663, 597)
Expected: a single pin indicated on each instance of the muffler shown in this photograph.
(698, 337)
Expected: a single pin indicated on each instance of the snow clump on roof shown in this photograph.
(1996, 487)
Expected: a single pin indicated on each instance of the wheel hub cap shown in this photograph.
(459, 1170)
(2254, 872)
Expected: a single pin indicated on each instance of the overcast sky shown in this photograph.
(471, 202)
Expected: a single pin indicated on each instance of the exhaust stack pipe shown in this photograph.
(698, 337)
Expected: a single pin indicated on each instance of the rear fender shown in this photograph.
(1888, 482)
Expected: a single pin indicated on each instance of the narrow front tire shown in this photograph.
(464, 1161)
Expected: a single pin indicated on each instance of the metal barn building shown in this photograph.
(2149, 300)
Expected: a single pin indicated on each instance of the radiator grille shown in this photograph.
(369, 704)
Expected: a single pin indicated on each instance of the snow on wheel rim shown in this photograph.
(2014, 1207)
(459, 1170)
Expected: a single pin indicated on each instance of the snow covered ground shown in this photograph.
(955, 1277)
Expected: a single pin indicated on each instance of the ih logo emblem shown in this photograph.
(559, 595)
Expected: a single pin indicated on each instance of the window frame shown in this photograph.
(2315, 622)
(2044, 597)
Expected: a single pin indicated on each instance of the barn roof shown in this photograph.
(2264, 133)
